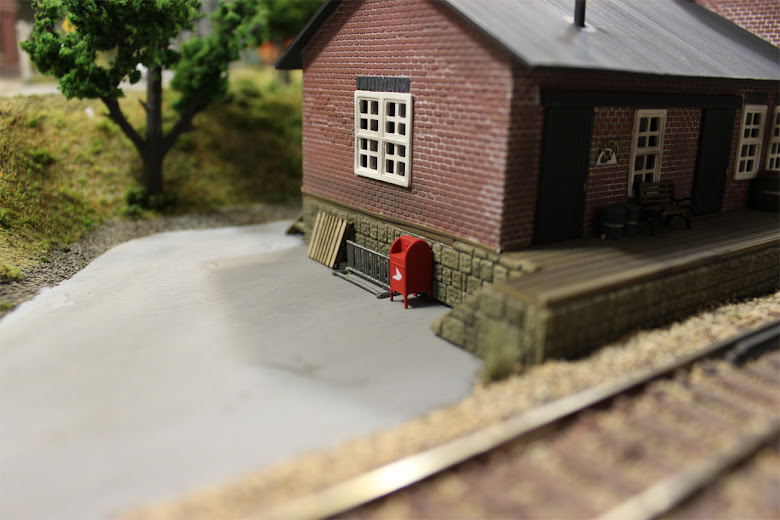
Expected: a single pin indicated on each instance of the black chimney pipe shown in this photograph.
(579, 13)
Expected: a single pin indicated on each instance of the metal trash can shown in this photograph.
(411, 268)
(612, 219)
(766, 191)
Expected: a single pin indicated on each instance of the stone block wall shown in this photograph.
(498, 316)
(459, 269)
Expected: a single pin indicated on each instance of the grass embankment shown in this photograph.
(65, 168)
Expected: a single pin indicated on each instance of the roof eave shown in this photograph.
(559, 68)
(292, 57)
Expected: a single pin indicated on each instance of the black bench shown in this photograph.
(658, 203)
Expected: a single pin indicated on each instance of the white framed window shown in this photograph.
(647, 147)
(773, 154)
(750, 135)
(383, 136)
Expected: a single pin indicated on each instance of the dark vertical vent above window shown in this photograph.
(756, 98)
(383, 84)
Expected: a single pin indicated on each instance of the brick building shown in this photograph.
(484, 127)
(762, 18)
(9, 53)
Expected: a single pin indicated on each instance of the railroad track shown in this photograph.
(632, 450)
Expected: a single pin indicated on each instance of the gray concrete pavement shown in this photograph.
(182, 359)
(16, 86)
(10, 87)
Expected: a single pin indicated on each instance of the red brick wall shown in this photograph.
(477, 114)
(461, 114)
(9, 53)
(681, 144)
(608, 184)
(522, 166)
(761, 17)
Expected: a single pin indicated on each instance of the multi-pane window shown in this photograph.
(383, 131)
(773, 155)
(749, 149)
(647, 149)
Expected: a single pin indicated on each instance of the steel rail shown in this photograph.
(387, 479)
(664, 496)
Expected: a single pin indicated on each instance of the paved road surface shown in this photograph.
(182, 359)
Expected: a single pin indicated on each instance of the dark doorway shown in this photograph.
(712, 160)
(560, 204)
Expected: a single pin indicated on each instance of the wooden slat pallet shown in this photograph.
(326, 239)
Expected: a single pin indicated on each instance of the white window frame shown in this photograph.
(647, 147)
(773, 153)
(383, 136)
(751, 134)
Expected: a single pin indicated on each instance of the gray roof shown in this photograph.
(664, 37)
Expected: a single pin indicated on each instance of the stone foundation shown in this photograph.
(459, 269)
(499, 317)
(492, 316)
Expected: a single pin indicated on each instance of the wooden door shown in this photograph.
(560, 204)
(712, 160)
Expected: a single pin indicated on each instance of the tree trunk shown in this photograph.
(154, 152)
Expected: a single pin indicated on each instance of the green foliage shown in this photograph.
(133, 31)
(135, 196)
(106, 126)
(287, 17)
(500, 362)
(139, 199)
(9, 273)
(35, 119)
(40, 158)
(47, 206)
(5, 218)
(112, 38)
(202, 71)
(46, 191)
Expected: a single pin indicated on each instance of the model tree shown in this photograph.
(143, 32)
(285, 19)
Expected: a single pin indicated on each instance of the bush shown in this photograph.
(135, 196)
(5, 218)
(500, 363)
(138, 199)
(40, 157)
(133, 211)
(9, 273)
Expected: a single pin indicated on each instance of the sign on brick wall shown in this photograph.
(607, 151)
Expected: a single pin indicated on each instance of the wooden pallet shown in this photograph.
(326, 239)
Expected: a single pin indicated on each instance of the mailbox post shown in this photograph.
(411, 268)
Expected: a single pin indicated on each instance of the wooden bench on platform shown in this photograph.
(657, 202)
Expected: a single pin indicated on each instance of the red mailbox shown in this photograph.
(411, 268)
